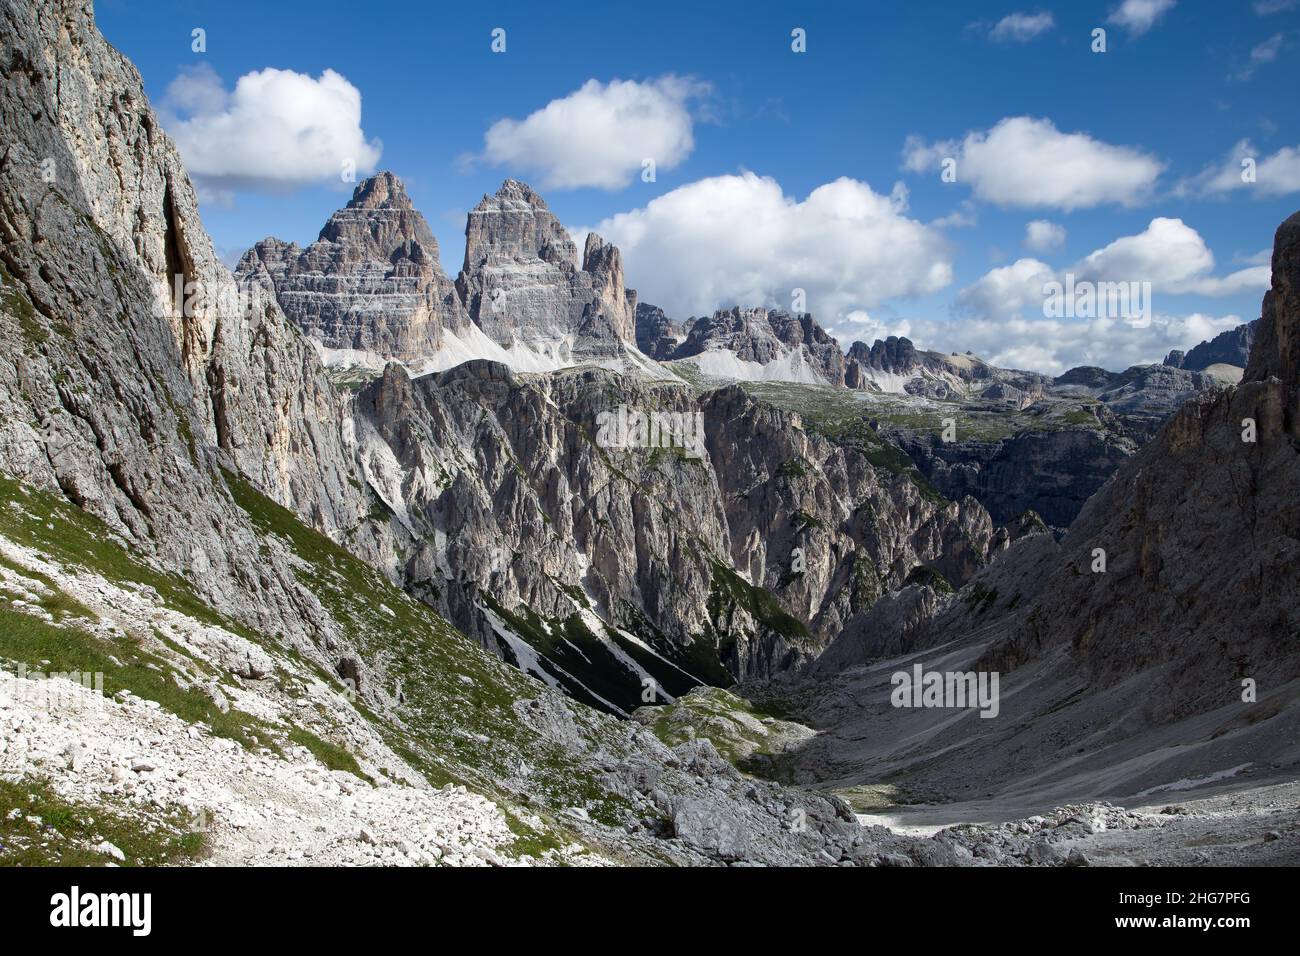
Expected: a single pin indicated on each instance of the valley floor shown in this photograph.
(1255, 824)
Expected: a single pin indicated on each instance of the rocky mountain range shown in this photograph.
(191, 460)
(1026, 441)
(196, 513)
(657, 567)
(556, 580)
(371, 289)
(503, 510)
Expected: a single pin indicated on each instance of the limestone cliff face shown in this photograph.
(512, 506)
(737, 559)
(372, 284)
(818, 526)
(522, 280)
(133, 367)
(604, 263)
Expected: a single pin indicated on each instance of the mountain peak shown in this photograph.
(513, 190)
(384, 190)
(515, 224)
(510, 241)
(371, 285)
(380, 218)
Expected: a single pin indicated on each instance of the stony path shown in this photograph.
(257, 808)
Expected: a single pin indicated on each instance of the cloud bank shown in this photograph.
(739, 239)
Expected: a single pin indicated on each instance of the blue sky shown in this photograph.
(1094, 146)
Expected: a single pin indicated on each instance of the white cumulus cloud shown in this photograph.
(739, 239)
(1169, 254)
(1028, 163)
(1139, 16)
(1007, 291)
(1042, 235)
(1277, 174)
(1174, 258)
(276, 129)
(599, 135)
(1021, 27)
(1001, 316)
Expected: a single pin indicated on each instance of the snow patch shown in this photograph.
(530, 661)
(539, 354)
(791, 366)
(1192, 784)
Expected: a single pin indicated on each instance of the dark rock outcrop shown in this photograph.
(1226, 348)
(1098, 419)
(657, 335)
(1050, 472)
(893, 354)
